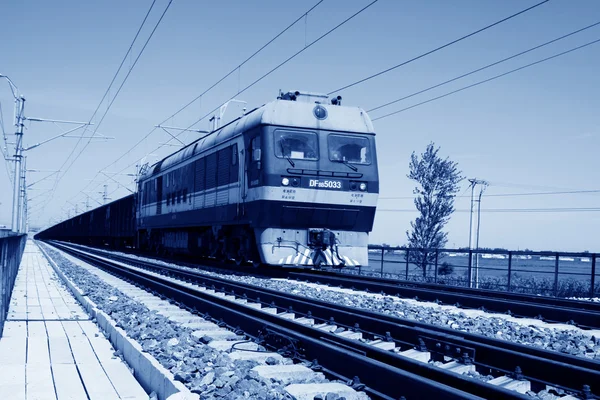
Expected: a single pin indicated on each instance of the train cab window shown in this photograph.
(296, 145)
(255, 146)
(351, 149)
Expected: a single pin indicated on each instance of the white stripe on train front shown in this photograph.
(315, 196)
(305, 256)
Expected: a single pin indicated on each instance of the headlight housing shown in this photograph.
(362, 186)
(285, 181)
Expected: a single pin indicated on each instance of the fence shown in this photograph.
(11, 251)
(558, 274)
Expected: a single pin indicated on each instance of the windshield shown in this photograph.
(350, 149)
(296, 145)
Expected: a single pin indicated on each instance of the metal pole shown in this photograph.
(556, 275)
(473, 182)
(470, 271)
(437, 254)
(593, 277)
(23, 217)
(509, 269)
(477, 240)
(19, 107)
(382, 252)
(407, 256)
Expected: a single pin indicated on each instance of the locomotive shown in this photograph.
(291, 183)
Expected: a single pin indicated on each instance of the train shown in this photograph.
(291, 183)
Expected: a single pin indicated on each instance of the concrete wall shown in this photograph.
(11, 251)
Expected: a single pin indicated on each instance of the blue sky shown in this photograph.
(537, 130)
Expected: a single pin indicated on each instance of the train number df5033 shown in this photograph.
(315, 183)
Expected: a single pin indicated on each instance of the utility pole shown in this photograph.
(23, 200)
(19, 221)
(474, 182)
(105, 195)
(481, 190)
(19, 123)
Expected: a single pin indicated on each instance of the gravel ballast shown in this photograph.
(570, 341)
(205, 371)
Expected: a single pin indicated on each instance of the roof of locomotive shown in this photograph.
(280, 113)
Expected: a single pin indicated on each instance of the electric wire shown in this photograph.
(111, 84)
(483, 68)
(122, 83)
(437, 48)
(502, 194)
(507, 210)
(216, 83)
(306, 47)
(211, 87)
(59, 177)
(268, 73)
(488, 80)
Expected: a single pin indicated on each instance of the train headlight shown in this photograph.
(285, 181)
(363, 186)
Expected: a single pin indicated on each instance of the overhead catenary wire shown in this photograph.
(216, 83)
(488, 79)
(110, 84)
(507, 210)
(60, 176)
(504, 194)
(385, 71)
(122, 84)
(236, 68)
(306, 47)
(265, 75)
(483, 68)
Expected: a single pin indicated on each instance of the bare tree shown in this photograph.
(437, 184)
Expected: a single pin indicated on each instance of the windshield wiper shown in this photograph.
(346, 163)
(284, 156)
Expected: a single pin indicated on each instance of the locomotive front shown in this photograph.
(313, 182)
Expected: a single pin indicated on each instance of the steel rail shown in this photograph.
(383, 380)
(579, 313)
(512, 296)
(582, 314)
(490, 355)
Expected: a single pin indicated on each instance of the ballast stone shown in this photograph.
(225, 345)
(287, 374)
(308, 391)
(260, 357)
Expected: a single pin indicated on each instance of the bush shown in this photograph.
(445, 269)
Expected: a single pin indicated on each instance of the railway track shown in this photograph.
(583, 314)
(389, 352)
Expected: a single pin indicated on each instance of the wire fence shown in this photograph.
(545, 273)
(11, 251)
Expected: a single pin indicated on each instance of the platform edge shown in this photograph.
(147, 370)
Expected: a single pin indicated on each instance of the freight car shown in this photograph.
(111, 225)
(294, 182)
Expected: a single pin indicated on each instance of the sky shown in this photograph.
(536, 130)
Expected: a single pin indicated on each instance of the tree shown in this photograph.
(437, 184)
